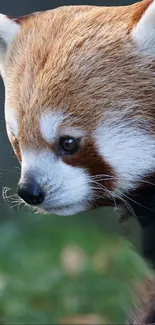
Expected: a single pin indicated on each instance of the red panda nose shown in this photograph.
(31, 193)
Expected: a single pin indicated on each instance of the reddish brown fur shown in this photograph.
(81, 59)
(59, 70)
(72, 58)
(141, 8)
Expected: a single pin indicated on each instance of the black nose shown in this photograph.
(31, 193)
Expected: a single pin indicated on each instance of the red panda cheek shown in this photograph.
(16, 148)
(89, 159)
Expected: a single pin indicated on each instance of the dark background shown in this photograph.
(18, 7)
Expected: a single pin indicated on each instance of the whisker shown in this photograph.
(130, 209)
(100, 186)
(104, 188)
(13, 199)
(102, 175)
(5, 190)
(108, 177)
(146, 182)
(143, 206)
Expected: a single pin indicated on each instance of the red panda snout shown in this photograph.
(30, 192)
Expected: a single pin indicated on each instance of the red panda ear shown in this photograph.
(143, 32)
(8, 31)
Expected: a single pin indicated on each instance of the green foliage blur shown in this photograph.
(67, 270)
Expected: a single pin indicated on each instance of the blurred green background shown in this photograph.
(71, 270)
(62, 270)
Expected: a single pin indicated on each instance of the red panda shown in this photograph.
(79, 107)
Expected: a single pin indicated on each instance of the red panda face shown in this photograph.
(79, 104)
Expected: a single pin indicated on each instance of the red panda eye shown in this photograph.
(68, 145)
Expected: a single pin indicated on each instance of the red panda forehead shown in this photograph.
(67, 64)
(71, 37)
(66, 46)
(80, 84)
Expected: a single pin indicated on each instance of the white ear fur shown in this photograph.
(143, 34)
(8, 31)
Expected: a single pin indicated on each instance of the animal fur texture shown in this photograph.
(80, 105)
(85, 73)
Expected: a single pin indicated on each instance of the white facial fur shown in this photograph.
(49, 123)
(8, 31)
(63, 184)
(144, 32)
(128, 151)
(11, 122)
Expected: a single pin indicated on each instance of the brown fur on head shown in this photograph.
(80, 103)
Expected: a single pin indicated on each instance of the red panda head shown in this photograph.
(80, 92)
